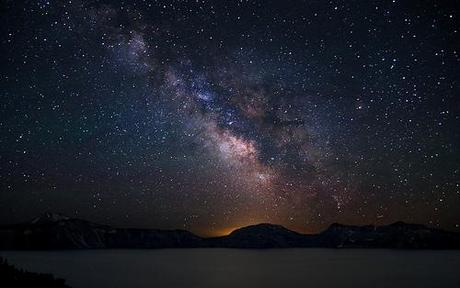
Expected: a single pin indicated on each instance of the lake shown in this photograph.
(245, 268)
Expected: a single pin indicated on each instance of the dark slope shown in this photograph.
(13, 277)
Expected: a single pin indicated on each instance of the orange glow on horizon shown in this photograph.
(222, 231)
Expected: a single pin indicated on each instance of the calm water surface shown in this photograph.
(245, 268)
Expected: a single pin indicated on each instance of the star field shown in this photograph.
(209, 115)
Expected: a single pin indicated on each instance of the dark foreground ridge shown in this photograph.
(53, 231)
(13, 277)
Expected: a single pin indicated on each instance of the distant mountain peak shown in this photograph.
(402, 223)
(50, 217)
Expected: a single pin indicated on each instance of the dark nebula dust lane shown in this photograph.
(210, 115)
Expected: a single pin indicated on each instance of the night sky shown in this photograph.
(209, 116)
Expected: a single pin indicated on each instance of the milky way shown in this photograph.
(210, 115)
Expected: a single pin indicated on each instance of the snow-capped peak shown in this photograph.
(50, 217)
